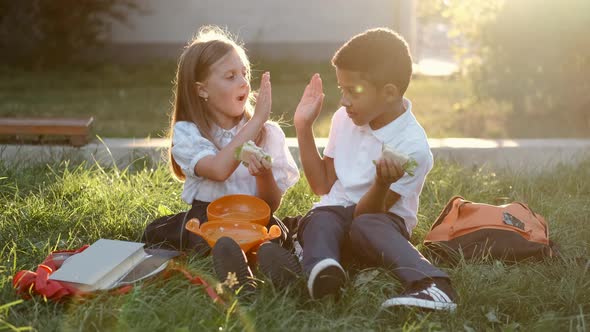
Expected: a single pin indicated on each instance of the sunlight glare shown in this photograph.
(435, 67)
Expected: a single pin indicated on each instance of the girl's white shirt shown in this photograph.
(189, 146)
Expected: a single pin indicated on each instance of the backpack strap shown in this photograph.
(195, 280)
(183, 231)
(538, 217)
(524, 205)
(446, 211)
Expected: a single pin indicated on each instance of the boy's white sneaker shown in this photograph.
(428, 296)
(325, 278)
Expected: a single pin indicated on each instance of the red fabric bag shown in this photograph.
(28, 282)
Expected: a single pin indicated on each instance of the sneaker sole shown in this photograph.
(412, 302)
(278, 264)
(326, 278)
(229, 257)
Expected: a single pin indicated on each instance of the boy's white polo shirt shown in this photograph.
(354, 148)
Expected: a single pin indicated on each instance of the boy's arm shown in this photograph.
(319, 171)
(379, 199)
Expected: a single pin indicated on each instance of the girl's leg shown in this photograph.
(168, 231)
(191, 241)
(199, 210)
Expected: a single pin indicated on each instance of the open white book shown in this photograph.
(110, 263)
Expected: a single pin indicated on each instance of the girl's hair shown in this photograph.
(209, 45)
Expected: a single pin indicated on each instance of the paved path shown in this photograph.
(520, 155)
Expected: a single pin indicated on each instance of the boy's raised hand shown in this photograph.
(310, 104)
(264, 99)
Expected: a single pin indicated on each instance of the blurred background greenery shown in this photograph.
(523, 71)
(135, 100)
(533, 55)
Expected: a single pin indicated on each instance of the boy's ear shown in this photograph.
(390, 92)
(201, 90)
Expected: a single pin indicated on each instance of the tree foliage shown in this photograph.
(535, 55)
(49, 32)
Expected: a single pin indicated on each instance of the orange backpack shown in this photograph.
(510, 232)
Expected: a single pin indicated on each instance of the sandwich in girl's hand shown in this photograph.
(408, 164)
(249, 148)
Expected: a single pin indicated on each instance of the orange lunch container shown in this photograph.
(247, 235)
(239, 208)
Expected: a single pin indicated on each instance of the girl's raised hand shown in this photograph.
(310, 104)
(264, 99)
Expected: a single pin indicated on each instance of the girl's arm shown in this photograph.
(221, 166)
(267, 189)
(266, 185)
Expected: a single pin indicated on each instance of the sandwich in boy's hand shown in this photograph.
(408, 164)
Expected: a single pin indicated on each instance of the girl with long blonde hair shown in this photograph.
(215, 113)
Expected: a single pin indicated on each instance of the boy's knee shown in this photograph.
(319, 224)
(361, 226)
(363, 219)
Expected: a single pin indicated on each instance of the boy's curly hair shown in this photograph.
(381, 55)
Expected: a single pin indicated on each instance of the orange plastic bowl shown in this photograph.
(239, 208)
(247, 235)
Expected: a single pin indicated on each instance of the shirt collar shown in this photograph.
(219, 133)
(392, 129)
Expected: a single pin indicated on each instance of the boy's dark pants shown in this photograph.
(379, 239)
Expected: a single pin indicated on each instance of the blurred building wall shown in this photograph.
(303, 29)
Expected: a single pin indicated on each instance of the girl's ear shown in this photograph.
(201, 90)
(390, 92)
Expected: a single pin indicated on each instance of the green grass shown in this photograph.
(135, 100)
(65, 206)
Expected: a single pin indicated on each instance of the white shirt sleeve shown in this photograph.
(410, 185)
(188, 147)
(284, 167)
(332, 136)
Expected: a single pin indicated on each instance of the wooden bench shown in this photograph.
(76, 131)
